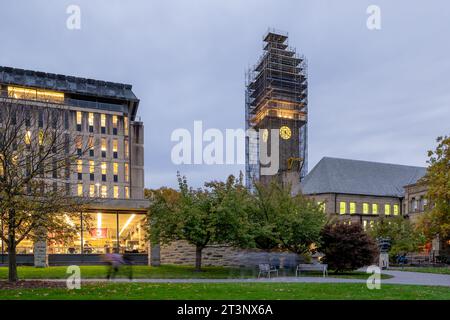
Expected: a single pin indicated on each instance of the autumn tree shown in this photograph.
(216, 213)
(436, 221)
(285, 221)
(403, 234)
(35, 153)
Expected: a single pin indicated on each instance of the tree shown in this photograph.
(285, 221)
(34, 152)
(217, 213)
(404, 236)
(346, 247)
(436, 221)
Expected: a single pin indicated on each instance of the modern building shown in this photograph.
(361, 191)
(103, 115)
(276, 100)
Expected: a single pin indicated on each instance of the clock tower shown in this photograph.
(276, 103)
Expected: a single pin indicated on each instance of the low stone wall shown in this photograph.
(181, 252)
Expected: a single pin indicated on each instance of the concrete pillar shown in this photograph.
(154, 257)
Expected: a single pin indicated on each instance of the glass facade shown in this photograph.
(99, 233)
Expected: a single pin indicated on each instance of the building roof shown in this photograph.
(66, 84)
(345, 176)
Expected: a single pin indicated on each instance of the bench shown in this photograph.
(312, 267)
(265, 268)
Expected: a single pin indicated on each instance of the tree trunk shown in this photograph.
(12, 262)
(198, 258)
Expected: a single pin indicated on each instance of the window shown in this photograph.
(104, 193)
(67, 189)
(352, 207)
(322, 206)
(103, 167)
(116, 192)
(365, 208)
(80, 189)
(365, 225)
(91, 121)
(80, 169)
(103, 123)
(92, 190)
(342, 207)
(35, 94)
(371, 224)
(40, 119)
(127, 193)
(91, 170)
(396, 210)
(79, 120)
(374, 208)
(115, 148)
(114, 123)
(125, 125)
(387, 209)
(66, 120)
(126, 151)
(28, 137)
(91, 146)
(116, 171)
(79, 145)
(127, 174)
(103, 147)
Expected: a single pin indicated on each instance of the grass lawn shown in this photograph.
(162, 272)
(232, 291)
(439, 270)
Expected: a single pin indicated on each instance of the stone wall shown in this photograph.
(181, 252)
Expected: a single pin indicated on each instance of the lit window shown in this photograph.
(103, 147)
(127, 174)
(365, 225)
(35, 94)
(114, 122)
(79, 117)
(352, 207)
(79, 144)
(125, 149)
(116, 168)
(80, 189)
(342, 207)
(80, 166)
(92, 190)
(115, 148)
(28, 137)
(396, 210)
(41, 137)
(127, 192)
(91, 121)
(103, 166)
(125, 125)
(91, 167)
(116, 192)
(387, 209)
(103, 120)
(365, 208)
(322, 205)
(371, 224)
(104, 193)
(374, 208)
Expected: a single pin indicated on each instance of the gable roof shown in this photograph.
(334, 175)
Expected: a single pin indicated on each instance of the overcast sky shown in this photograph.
(380, 95)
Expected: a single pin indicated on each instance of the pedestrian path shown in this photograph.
(398, 277)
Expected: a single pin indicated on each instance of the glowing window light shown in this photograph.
(127, 223)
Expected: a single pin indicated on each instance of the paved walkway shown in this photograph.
(399, 277)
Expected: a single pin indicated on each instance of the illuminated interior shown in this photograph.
(102, 233)
(35, 94)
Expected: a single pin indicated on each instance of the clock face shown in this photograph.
(265, 134)
(285, 132)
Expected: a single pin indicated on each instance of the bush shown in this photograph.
(347, 247)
